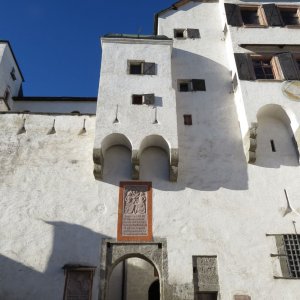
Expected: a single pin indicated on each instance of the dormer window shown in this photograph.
(13, 75)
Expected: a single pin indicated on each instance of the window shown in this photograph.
(148, 99)
(265, 15)
(288, 246)
(191, 85)
(13, 75)
(6, 94)
(141, 68)
(263, 68)
(191, 33)
(252, 15)
(79, 282)
(298, 64)
(290, 15)
(179, 33)
(187, 119)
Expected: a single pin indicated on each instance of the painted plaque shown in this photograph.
(135, 211)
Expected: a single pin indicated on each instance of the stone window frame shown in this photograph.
(289, 8)
(260, 12)
(89, 270)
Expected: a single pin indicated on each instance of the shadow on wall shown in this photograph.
(211, 152)
(71, 244)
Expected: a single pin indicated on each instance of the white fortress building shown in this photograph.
(180, 181)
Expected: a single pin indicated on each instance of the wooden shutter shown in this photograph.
(149, 99)
(233, 14)
(79, 285)
(288, 66)
(149, 69)
(282, 255)
(272, 14)
(198, 85)
(193, 33)
(244, 66)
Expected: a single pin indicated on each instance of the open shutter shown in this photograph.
(272, 14)
(282, 256)
(198, 85)
(233, 14)
(288, 66)
(244, 66)
(149, 99)
(149, 69)
(193, 33)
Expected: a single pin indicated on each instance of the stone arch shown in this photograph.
(114, 252)
(114, 139)
(156, 141)
(283, 119)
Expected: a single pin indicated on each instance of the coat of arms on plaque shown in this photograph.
(135, 211)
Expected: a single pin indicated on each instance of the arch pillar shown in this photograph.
(98, 163)
(135, 163)
(250, 143)
(174, 159)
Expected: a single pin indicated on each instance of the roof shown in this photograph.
(11, 50)
(88, 99)
(136, 36)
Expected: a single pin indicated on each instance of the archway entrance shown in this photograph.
(134, 278)
(148, 259)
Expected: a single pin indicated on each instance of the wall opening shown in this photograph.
(275, 138)
(134, 278)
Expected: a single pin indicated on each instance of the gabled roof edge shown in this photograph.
(12, 52)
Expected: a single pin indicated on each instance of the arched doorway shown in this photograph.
(134, 278)
(153, 293)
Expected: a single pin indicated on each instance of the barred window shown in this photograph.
(288, 246)
(292, 248)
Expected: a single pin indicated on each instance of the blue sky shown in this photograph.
(56, 42)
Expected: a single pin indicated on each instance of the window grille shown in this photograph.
(292, 248)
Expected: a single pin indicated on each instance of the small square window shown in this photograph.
(180, 33)
(290, 16)
(187, 119)
(137, 99)
(252, 16)
(136, 68)
(184, 87)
